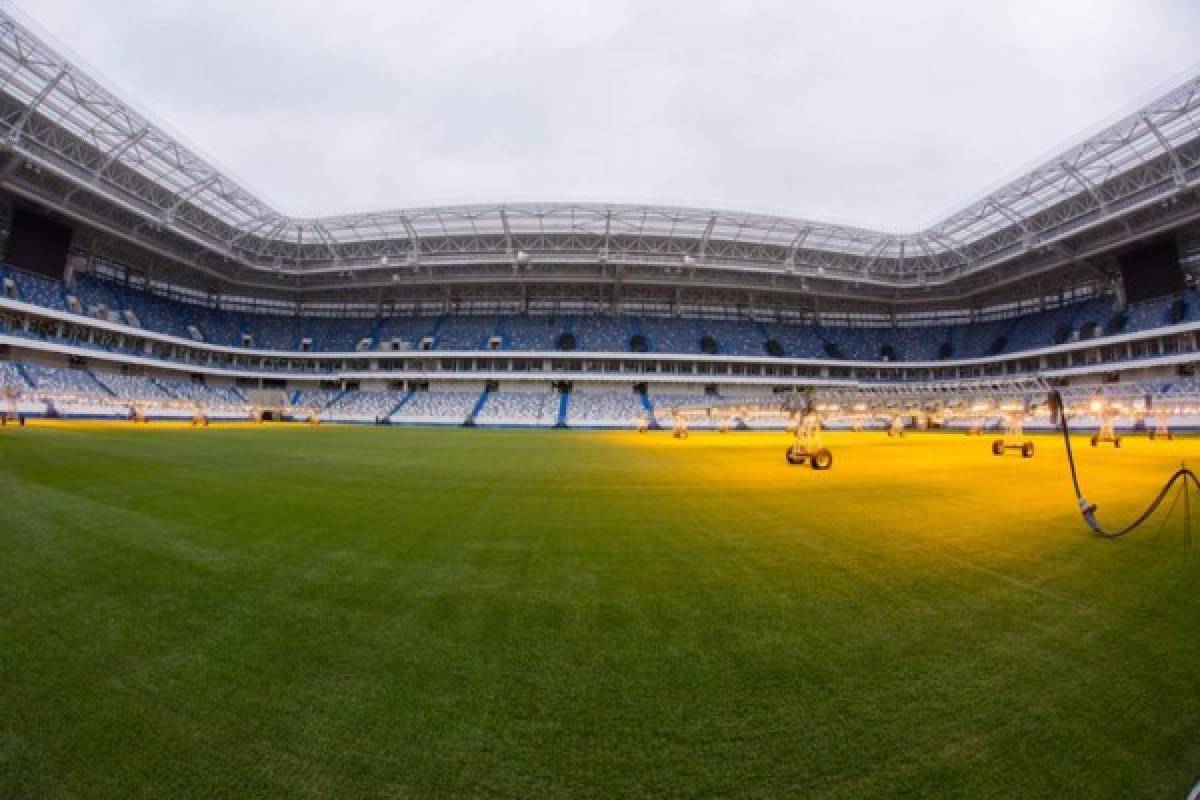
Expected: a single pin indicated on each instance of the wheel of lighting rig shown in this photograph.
(821, 460)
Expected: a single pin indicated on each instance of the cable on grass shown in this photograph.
(1184, 477)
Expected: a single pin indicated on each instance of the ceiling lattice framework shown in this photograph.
(71, 142)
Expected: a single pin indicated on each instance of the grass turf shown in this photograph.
(359, 612)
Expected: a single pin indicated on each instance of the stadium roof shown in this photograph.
(61, 123)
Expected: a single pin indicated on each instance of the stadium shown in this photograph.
(590, 499)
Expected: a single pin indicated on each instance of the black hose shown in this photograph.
(1088, 510)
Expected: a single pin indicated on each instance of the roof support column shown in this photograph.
(1178, 174)
(797, 243)
(508, 241)
(1086, 184)
(415, 240)
(17, 130)
(702, 247)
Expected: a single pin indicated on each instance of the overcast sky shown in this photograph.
(887, 114)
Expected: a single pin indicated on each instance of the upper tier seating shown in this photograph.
(796, 341)
(734, 338)
(585, 333)
(464, 333)
(408, 331)
(672, 335)
(269, 332)
(602, 334)
(36, 289)
(529, 333)
(333, 334)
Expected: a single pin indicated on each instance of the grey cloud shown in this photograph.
(876, 113)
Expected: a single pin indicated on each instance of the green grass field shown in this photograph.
(355, 612)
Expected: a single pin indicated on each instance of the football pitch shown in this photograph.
(363, 612)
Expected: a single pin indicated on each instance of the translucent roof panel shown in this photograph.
(69, 118)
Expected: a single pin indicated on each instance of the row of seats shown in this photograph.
(77, 382)
(11, 379)
(36, 388)
(36, 289)
(99, 297)
(447, 408)
(519, 408)
(665, 404)
(318, 399)
(612, 408)
(137, 388)
(363, 405)
(204, 395)
(108, 388)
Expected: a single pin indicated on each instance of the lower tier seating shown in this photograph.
(604, 409)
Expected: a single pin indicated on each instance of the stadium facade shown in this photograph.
(140, 279)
